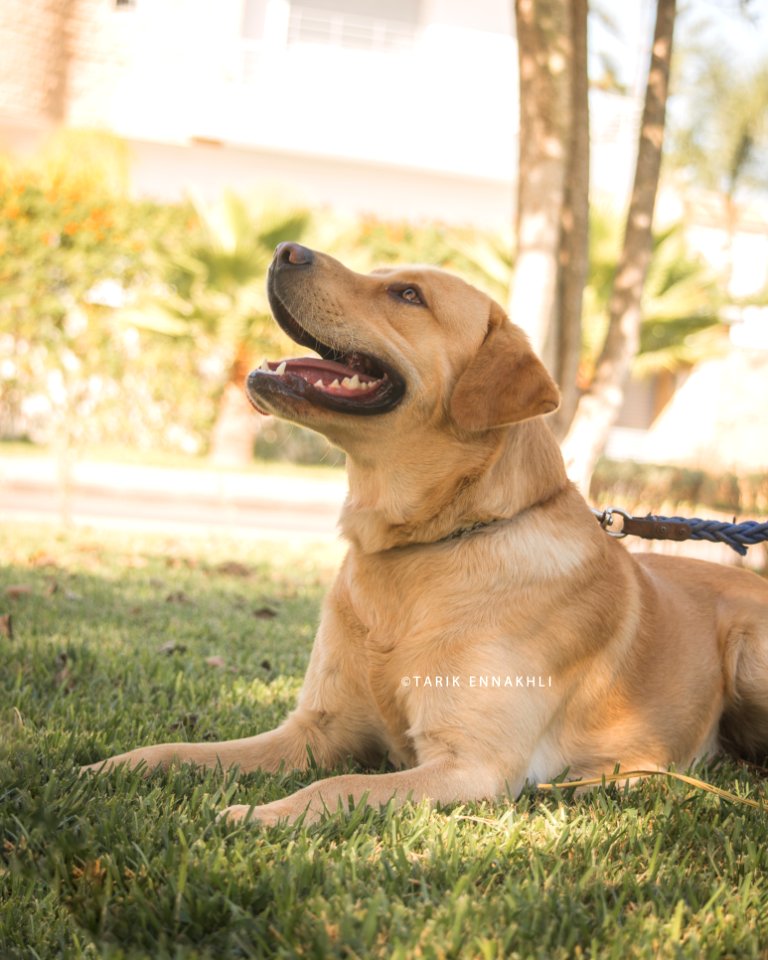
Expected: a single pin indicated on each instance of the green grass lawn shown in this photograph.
(110, 646)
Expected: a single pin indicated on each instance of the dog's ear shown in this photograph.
(505, 382)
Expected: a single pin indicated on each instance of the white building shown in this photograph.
(400, 108)
(395, 107)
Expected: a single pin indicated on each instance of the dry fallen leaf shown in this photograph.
(176, 562)
(172, 647)
(186, 722)
(178, 596)
(233, 568)
(91, 872)
(265, 613)
(18, 590)
(41, 559)
(215, 661)
(63, 677)
(6, 626)
(19, 846)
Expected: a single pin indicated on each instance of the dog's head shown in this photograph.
(394, 347)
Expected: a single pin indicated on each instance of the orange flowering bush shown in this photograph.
(72, 255)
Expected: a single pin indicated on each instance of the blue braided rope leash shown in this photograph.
(738, 536)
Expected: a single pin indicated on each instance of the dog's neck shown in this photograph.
(412, 496)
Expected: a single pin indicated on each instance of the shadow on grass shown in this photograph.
(122, 866)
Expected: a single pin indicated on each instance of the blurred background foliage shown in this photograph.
(128, 322)
(210, 300)
(682, 300)
(74, 250)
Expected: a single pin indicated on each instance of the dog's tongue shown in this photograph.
(313, 368)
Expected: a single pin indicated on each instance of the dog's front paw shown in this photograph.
(101, 766)
(266, 815)
(139, 762)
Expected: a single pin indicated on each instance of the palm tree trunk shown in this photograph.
(574, 229)
(544, 60)
(599, 407)
(237, 423)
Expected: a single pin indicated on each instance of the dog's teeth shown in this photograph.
(281, 369)
(336, 383)
(355, 383)
(319, 383)
(264, 366)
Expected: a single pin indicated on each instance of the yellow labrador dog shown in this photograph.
(483, 631)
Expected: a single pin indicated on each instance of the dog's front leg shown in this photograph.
(288, 745)
(441, 781)
(334, 720)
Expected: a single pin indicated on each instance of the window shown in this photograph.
(364, 24)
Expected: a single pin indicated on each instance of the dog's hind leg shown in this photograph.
(744, 725)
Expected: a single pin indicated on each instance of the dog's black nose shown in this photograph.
(293, 255)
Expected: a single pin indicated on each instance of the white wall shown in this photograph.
(350, 187)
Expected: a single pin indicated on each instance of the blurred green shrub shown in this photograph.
(137, 322)
(211, 298)
(682, 299)
(73, 251)
(481, 258)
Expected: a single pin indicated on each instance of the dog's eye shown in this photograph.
(408, 294)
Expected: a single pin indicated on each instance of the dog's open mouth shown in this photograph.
(353, 382)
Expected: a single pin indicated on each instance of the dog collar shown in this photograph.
(472, 528)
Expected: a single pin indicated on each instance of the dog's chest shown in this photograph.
(393, 602)
(407, 604)
(420, 623)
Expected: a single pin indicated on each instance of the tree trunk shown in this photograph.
(599, 407)
(545, 66)
(237, 423)
(574, 229)
(731, 224)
